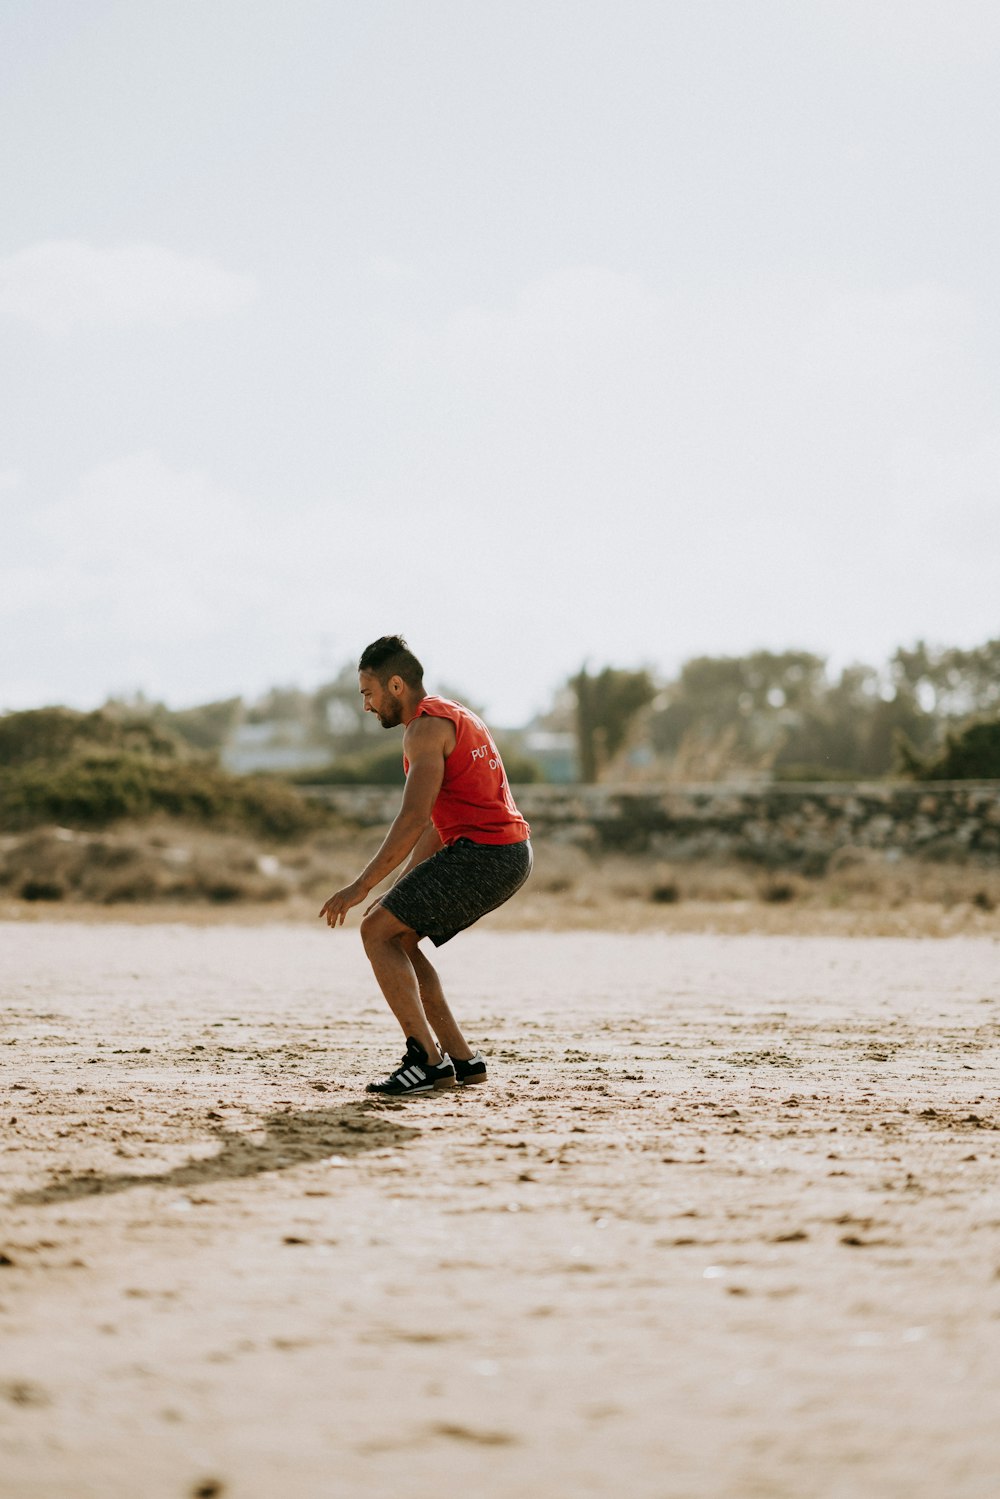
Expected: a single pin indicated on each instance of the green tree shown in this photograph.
(735, 712)
(206, 727)
(949, 682)
(606, 707)
(852, 728)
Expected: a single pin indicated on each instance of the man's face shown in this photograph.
(378, 699)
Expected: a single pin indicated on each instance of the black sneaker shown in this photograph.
(415, 1074)
(473, 1070)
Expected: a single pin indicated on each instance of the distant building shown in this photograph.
(554, 751)
(272, 746)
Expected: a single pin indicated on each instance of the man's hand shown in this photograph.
(337, 907)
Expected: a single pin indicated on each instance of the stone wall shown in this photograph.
(778, 826)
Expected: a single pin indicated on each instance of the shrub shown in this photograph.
(95, 791)
(521, 769)
(969, 754)
(41, 890)
(47, 734)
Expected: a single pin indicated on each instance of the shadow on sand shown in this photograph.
(292, 1140)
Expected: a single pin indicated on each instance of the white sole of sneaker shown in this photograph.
(401, 1093)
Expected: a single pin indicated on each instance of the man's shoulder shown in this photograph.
(427, 733)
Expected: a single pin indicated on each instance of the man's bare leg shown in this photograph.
(385, 939)
(441, 1020)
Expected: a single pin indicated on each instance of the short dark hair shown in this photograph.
(390, 656)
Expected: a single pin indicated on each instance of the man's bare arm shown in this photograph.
(425, 743)
(427, 844)
(423, 782)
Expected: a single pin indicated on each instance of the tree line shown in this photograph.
(929, 712)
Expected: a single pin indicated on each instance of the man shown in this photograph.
(469, 850)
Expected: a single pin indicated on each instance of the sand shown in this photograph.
(725, 1224)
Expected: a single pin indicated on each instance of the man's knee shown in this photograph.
(379, 926)
(373, 931)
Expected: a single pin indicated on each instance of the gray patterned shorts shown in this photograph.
(457, 885)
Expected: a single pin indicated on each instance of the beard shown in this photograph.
(391, 717)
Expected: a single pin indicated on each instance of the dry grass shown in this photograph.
(855, 877)
(138, 866)
(166, 864)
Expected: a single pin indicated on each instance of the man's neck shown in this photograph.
(412, 708)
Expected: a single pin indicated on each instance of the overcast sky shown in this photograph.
(539, 330)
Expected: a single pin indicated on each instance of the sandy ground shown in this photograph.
(724, 1225)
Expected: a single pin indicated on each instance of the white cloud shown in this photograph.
(670, 471)
(147, 553)
(920, 35)
(591, 469)
(758, 402)
(145, 575)
(64, 284)
(10, 480)
(387, 269)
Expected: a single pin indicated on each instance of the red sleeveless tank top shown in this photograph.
(474, 800)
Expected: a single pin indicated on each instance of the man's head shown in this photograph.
(391, 679)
